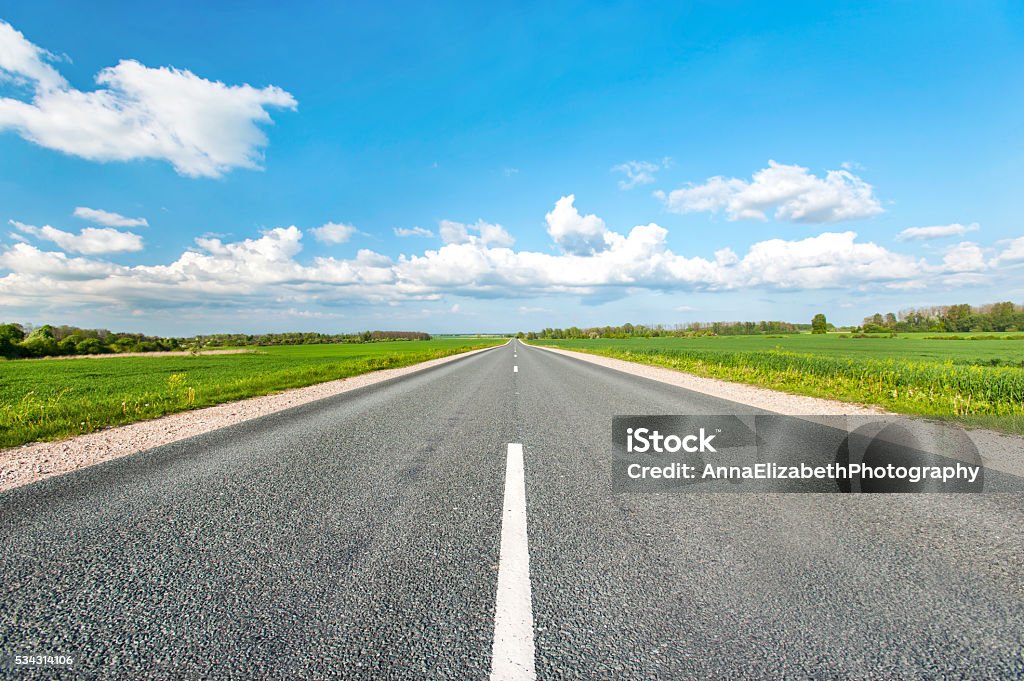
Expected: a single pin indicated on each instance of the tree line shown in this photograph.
(307, 338)
(1004, 316)
(18, 341)
(679, 330)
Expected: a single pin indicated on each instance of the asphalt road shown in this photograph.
(360, 537)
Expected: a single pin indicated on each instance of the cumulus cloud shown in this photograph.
(642, 258)
(108, 219)
(203, 128)
(413, 231)
(574, 233)
(485, 233)
(333, 233)
(789, 192)
(90, 241)
(25, 260)
(639, 172)
(936, 231)
(832, 259)
(24, 63)
(1013, 251)
(475, 261)
(966, 256)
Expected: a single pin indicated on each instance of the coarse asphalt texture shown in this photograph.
(358, 537)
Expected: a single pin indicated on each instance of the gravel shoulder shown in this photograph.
(40, 460)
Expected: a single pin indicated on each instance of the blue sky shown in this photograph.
(771, 158)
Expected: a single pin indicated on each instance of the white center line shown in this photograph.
(512, 655)
(515, 368)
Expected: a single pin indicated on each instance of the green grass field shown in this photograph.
(53, 399)
(978, 382)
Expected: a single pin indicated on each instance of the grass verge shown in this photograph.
(52, 399)
(975, 396)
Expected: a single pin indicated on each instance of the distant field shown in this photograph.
(1001, 347)
(52, 399)
(977, 382)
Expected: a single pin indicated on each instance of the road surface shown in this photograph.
(393, 532)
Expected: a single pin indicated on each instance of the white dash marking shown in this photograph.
(513, 653)
(515, 368)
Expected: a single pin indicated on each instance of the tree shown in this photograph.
(41, 342)
(818, 324)
(89, 346)
(10, 336)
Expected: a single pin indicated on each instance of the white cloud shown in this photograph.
(789, 192)
(936, 231)
(108, 219)
(965, 279)
(25, 260)
(413, 231)
(269, 270)
(203, 128)
(333, 233)
(90, 241)
(966, 256)
(453, 232)
(576, 234)
(25, 63)
(1012, 252)
(916, 285)
(455, 309)
(489, 234)
(831, 259)
(641, 258)
(639, 172)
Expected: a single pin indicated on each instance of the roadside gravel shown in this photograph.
(37, 461)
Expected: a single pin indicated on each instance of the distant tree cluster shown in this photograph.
(17, 341)
(678, 331)
(296, 338)
(55, 341)
(1005, 316)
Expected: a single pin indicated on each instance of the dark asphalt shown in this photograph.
(358, 537)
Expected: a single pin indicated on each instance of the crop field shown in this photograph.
(977, 381)
(53, 399)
